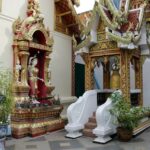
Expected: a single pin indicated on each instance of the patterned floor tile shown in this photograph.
(57, 141)
(37, 139)
(112, 147)
(11, 147)
(31, 146)
(59, 145)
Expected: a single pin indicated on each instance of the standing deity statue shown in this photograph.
(33, 77)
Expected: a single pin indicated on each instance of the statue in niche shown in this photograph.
(33, 77)
(115, 77)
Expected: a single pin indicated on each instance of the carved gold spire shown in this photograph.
(33, 10)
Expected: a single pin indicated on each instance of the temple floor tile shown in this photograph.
(57, 141)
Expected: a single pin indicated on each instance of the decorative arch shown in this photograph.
(39, 37)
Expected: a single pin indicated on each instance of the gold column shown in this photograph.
(24, 54)
(93, 60)
(47, 74)
(21, 88)
(125, 74)
(15, 59)
(24, 71)
(139, 79)
(89, 82)
(73, 73)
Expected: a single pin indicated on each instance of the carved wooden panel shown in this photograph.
(139, 78)
(101, 36)
(125, 74)
(104, 45)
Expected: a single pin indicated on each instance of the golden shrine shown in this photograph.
(114, 39)
(111, 39)
(35, 112)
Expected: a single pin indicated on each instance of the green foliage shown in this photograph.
(126, 116)
(6, 92)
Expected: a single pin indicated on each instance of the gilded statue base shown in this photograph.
(36, 121)
(21, 131)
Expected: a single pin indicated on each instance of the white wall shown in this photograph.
(47, 8)
(14, 8)
(61, 64)
(6, 53)
(146, 83)
(79, 59)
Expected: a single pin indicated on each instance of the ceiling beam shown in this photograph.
(63, 14)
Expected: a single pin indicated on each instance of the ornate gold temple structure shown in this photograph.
(111, 39)
(115, 39)
(34, 113)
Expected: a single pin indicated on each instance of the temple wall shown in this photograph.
(61, 57)
(146, 83)
(61, 64)
(6, 53)
(79, 60)
(14, 8)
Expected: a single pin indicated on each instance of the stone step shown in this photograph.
(88, 132)
(90, 125)
(94, 114)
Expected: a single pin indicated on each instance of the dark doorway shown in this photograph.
(79, 79)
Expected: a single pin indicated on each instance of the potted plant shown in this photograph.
(127, 117)
(6, 100)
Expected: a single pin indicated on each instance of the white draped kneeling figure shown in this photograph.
(105, 122)
(79, 112)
